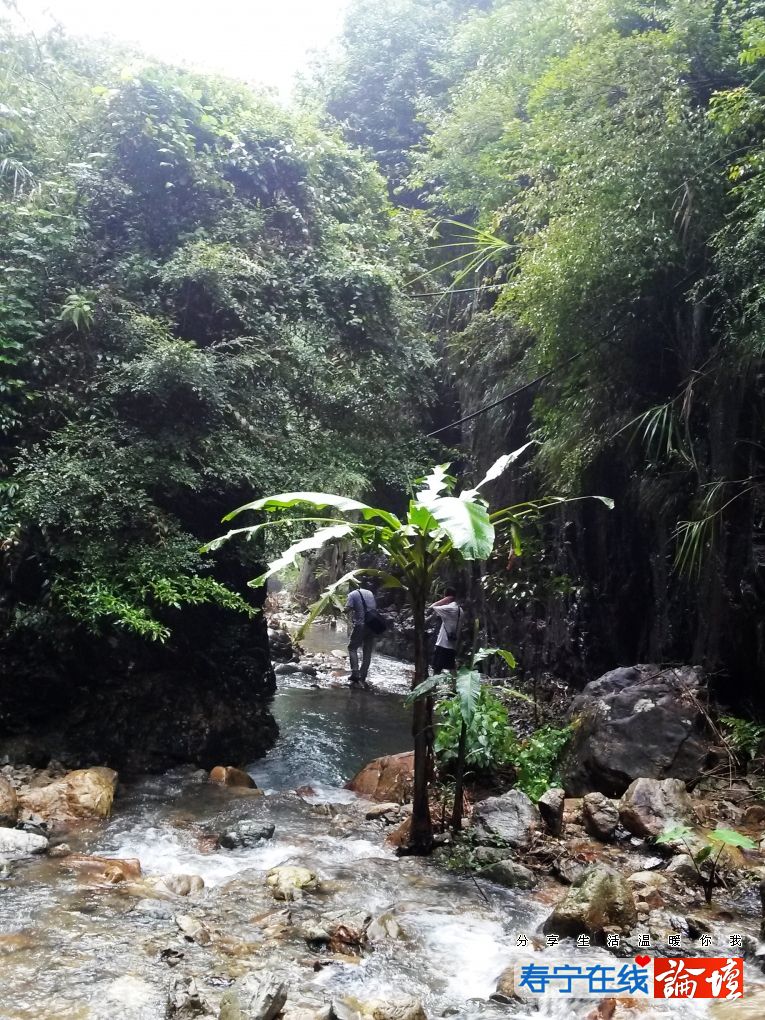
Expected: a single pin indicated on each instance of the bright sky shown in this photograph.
(266, 41)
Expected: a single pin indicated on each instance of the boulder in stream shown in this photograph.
(85, 793)
(289, 881)
(228, 775)
(636, 721)
(9, 803)
(386, 779)
(599, 900)
(510, 874)
(511, 818)
(259, 996)
(14, 843)
(103, 870)
(649, 806)
(186, 1001)
(180, 885)
(399, 1008)
(246, 834)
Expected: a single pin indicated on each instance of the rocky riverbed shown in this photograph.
(178, 896)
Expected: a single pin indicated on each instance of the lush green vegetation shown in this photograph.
(607, 164)
(202, 298)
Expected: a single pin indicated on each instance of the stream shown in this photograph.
(73, 950)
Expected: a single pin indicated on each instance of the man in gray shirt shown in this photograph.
(360, 602)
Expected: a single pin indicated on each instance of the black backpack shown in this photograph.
(373, 620)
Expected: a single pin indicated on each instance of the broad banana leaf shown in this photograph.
(315, 541)
(320, 500)
(466, 524)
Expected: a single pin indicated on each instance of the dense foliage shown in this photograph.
(202, 297)
(607, 162)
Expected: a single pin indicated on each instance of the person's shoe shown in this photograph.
(355, 679)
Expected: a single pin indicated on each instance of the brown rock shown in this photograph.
(600, 816)
(227, 775)
(107, 870)
(386, 779)
(85, 793)
(651, 805)
(9, 803)
(400, 835)
(755, 815)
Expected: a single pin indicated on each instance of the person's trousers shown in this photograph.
(361, 638)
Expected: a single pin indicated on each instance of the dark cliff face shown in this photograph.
(596, 589)
(200, 698)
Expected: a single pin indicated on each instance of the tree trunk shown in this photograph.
(459, 780)
(421, 838)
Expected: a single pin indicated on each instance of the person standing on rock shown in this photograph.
(362, 607)
(450, 613)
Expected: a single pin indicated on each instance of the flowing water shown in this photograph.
(78, 950)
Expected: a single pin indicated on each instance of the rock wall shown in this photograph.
(200, 698)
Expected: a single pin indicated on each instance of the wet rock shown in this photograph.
(752, 1007)
(384, 927)
(288, 669)
(289, 881)
(107, 870)
(600, 816)
(401, 835)
(308, 1013)
(599, 899)
(246, 834)
(651, 805)
(85, 793)
(683, 868)
(551, 805)
(9, 803)
(510, 874)
(181, 885)
(634, 722)
(511, 818)
(259, 996)
(386, 779)
(193, 929)
(227, 775)
(185, 999)
(381, 810)
(154, 908)
(343, 932)
(405, 1008)
(14, 843)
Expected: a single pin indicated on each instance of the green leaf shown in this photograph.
(319, 500)
(730, 837)
(674, 833)
(498, 467)
(485, 653)
(466, 524)
(438, 481)
(321, 537)
(427, 686)
(702, 854)
(468, 688)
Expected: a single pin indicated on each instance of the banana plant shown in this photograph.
(439, 526)
(466, 683)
